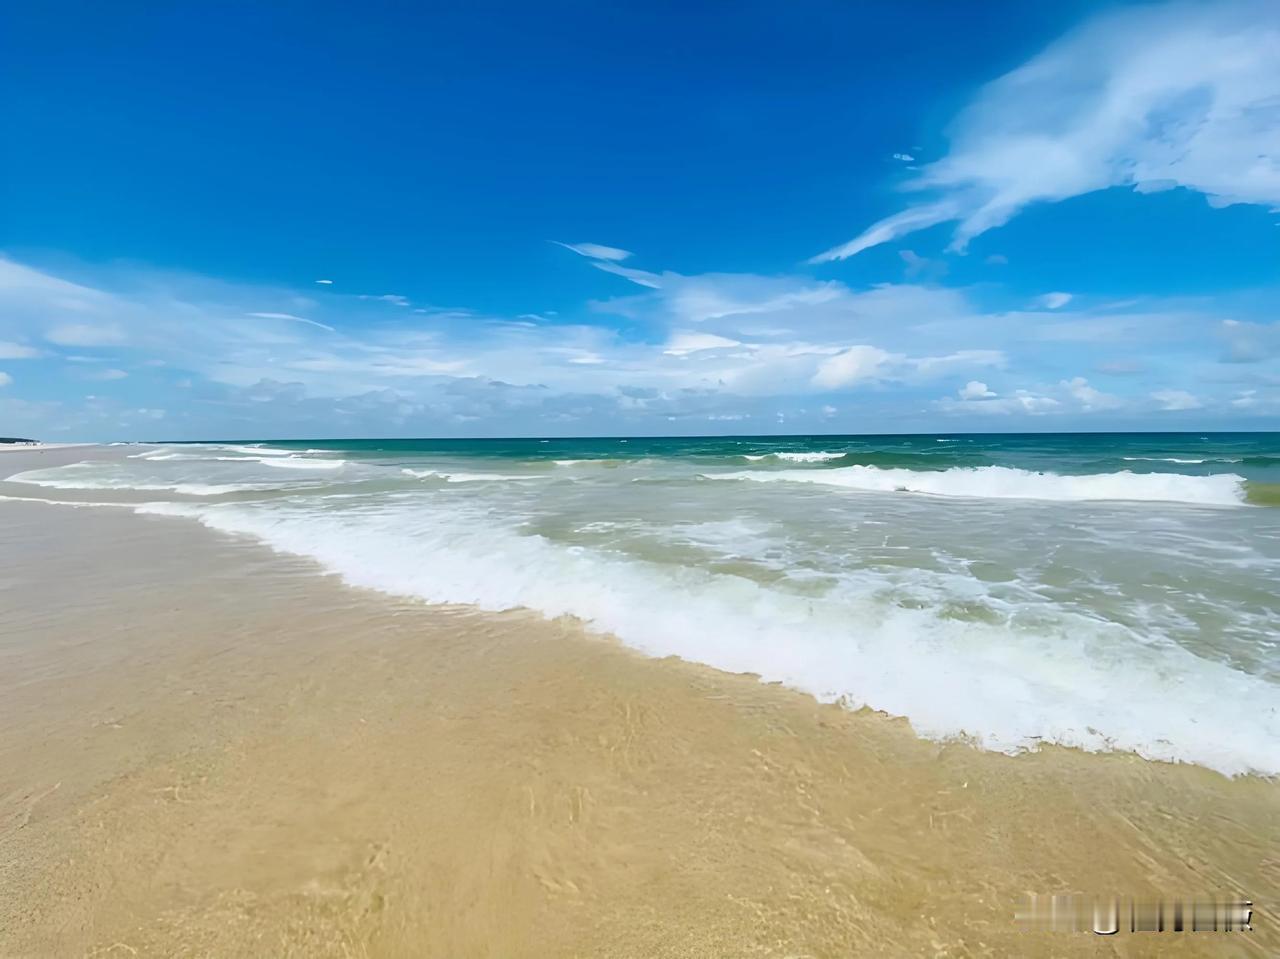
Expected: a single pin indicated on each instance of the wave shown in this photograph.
(1002, 482)
(1031, 675)
(820, 456)
(458, 477)
(1171, 459)
(185, 489)
(302, 463)
(255, 450)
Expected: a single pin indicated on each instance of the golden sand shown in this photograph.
(210, 750)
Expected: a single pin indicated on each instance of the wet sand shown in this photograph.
(207, 749)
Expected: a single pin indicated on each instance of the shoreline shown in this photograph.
(234, 749)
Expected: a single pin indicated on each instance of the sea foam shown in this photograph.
(1002, 482)
(789, 457)
(1042, 674)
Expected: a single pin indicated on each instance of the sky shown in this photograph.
(305, 220)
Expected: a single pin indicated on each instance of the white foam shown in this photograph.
(462, 477)
(255, 450)
(57, 478)
(819, 456)
(302, 463)
(1162, 459)
(1002, 482)
(1039, 674)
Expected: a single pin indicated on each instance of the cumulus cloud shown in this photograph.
(1090, 399)
(975, 390)
(1149, 97)
(1073, 395)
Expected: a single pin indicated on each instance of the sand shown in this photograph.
(207, 749)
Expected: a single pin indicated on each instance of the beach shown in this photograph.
(210, 748)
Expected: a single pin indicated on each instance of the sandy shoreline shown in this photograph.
(209, 749)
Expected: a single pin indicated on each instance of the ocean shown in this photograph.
(1100, 591)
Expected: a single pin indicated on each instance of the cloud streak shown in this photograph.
(1151, 98)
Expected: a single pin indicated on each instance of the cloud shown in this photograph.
(975, 390)
(683, 342)
(904, 157)
(85, 334)
(1150, 97)
(325, 282)
(1054, 301)
(1250, 342)
(16, 351)
(393, 298)
(595, 251)
(851, 366)
(996, 259)
(292, 318)
(1020, 402)
(5, 379)
(1090, 399)
(1073, 395)
(107, 374)
(1171, 400)
(688, 349)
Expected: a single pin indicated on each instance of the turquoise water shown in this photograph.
(1114, 591)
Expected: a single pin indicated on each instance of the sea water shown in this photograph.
(1101, 591)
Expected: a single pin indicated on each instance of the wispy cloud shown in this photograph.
(596, 251)
(291, 318)
(1053, 301)
(1151, 97)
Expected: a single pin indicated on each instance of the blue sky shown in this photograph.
(574, 218)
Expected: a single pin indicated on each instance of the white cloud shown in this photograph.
(16, 351)
(639, 277)
(595, 251)
(996, 259)
(1245, 399)
(851, 366)
(1172, 400)
(393, 298)
(1090, 399)
(975, 390)
(1054, 301)
(291, 318)
(1020, 402)
(1149, 97)
(904, 157)
(5, 379)
(108, 374)
(85, 334)
(325, 282)
(683, 342)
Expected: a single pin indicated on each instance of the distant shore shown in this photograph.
(208, 748)
(38, 447)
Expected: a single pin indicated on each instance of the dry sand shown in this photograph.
(210, 750)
